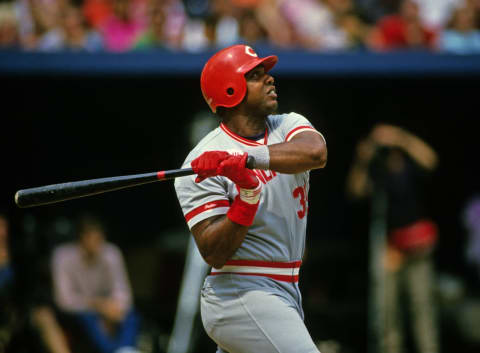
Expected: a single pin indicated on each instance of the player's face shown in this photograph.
(261, 95)
(92, 241)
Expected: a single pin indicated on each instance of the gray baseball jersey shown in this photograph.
(278, 230)
(270, 255)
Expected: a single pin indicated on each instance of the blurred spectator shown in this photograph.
(211, 30)
(8, 27)
(340, 7)
(227, 30)
(251, 31)
(6, 272)
(475, 5)
(16, 319)
(37, 18)
(91, 287)
(402, 30)
(461, 36)
(44, 320)
(197, 8)
(72, 34)
(279, 31)
(122, 29)
(176, 20)
(436, 13)
(25, 25)
(376, 9)
(166, 22)
(154, 36)
(7, 315)
(314, 24)
(96, 12)
(347, 17)
(220, 29)
(471, 221)
(195, 35)
(356, 30)
(400, 163)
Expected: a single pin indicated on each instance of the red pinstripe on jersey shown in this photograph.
(206, 207)
(243, 139)
(297, 130)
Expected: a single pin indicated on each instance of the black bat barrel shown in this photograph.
(43, 195)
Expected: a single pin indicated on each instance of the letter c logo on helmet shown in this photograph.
(250, 51)
(223, 80)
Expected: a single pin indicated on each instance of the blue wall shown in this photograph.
(292, 63)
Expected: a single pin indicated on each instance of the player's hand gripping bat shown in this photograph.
(43, 195)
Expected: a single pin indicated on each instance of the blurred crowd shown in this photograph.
(195, 25)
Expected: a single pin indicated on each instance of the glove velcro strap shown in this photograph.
(250, 196)
(241, 212)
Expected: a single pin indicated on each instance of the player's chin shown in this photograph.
(271, 106)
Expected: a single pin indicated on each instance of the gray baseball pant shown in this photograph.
(244, 320)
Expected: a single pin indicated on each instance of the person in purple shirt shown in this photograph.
(91, 285)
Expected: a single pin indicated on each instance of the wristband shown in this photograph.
(241, 212)
(261, 155)
(250, 196)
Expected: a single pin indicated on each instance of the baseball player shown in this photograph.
(249, 225)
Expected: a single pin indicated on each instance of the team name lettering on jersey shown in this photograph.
(264, 175)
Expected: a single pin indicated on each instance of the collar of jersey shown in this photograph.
(242, 139)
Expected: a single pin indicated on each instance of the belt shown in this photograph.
(280, 271)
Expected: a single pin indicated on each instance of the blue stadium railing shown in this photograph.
(293, 63)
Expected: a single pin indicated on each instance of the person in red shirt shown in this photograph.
(402, 30)
(97, 11)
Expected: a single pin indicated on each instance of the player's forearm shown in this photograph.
(218, 239)
(305, 152)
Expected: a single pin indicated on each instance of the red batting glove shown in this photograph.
(245, 206)
(234, 169)
(207, 163)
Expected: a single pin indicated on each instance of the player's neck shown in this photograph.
(245, 125)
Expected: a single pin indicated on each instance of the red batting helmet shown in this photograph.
(223, 76)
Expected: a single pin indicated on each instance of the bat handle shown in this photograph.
(251, 164)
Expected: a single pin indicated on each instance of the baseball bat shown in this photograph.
(48, 194)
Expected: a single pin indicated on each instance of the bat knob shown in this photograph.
(251, 164)
(17, 198)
